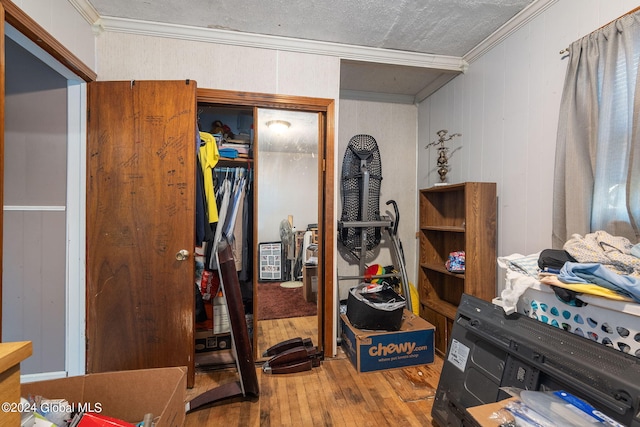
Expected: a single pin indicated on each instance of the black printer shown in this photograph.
(489, 350)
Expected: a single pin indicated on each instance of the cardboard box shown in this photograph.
(221, 323)
(484, 415)
(380, 350)
(125, 395)
(310, 283)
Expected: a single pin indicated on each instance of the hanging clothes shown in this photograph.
(225, 194)
(235, 219)
(204, 232)
(209, 156)
(203, 229)
(237, 242)
(238, 189)
(246, 273)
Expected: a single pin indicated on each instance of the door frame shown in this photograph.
(326, 223)
(31, 36)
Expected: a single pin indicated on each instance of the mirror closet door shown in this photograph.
(286, 284)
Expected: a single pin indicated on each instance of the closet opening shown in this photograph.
(282, 204)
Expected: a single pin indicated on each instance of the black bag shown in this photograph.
(380, 310)
(554, 259)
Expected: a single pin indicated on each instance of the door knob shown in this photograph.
(182, 255)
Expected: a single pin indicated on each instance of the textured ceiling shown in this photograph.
(450, 28)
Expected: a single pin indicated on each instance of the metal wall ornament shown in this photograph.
(443, 157)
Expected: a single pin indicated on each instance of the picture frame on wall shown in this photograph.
(270, 268)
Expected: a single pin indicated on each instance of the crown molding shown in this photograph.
(86, 9)
(236, 38)
(343, 51)
(524, 17)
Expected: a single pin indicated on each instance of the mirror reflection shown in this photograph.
(287, 215)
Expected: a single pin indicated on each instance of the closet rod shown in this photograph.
(247, 171)
(229, 169)
(566, 50)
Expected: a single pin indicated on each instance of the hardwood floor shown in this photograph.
(333, 394)
(271, 332)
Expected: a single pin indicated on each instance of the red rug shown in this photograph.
(276, 302)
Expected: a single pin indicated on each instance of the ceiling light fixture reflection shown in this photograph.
(278, 125)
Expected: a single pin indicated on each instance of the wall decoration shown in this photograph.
(270, 254)
(443, 158)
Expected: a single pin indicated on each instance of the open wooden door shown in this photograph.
(141, 225)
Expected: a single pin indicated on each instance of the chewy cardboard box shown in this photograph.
(125, 395)
(378, 350)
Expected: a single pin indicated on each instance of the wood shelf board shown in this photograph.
(224, 161)
(442, 269)
(443, 188)
(447, 228)
(446, 309)
(12, 353)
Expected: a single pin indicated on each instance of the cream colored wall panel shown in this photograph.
(473, 128)
(596, 14)
(424, 120)
(308, 75)
(519, 130)
(506, 106)
(216, 66)
(241, 68)
(394, 127)
(449, 116)
(73, 32)
(544, 105)
(62, 21)
(213, 66)
(487, 155)
(39, 10)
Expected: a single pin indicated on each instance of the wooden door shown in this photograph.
(141, 160)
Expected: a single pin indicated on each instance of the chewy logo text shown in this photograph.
(386, 350)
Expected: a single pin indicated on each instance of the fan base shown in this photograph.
(291, 284)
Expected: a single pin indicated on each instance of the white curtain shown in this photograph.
(597, 173)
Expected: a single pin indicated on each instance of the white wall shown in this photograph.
(216, 66)
(394, 127)
(506, 106)
(60, 19)
(288, 186)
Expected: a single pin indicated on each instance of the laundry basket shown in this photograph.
(613, 323)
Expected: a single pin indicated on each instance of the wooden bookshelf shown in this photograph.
(455, 217)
